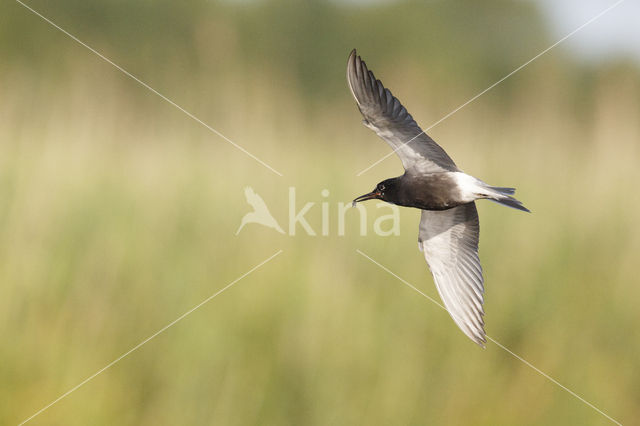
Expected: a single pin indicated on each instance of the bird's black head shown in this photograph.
(387, 190)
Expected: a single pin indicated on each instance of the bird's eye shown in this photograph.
(381, 187)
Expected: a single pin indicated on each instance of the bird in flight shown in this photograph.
(449, 226)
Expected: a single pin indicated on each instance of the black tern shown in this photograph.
(449, 225)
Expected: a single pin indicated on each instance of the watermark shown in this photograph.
(333, 216)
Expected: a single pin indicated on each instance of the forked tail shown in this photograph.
(503, 196)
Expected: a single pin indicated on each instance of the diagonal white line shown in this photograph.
(500, 345)
(150, 337)
(493, 85)
(145, 85)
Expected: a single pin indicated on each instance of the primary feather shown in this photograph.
(385, 115)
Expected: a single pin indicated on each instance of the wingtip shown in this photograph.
(478, 337)
(351, 62)
(476, 334)
(481, 341)
(352, 67)
(352, 57)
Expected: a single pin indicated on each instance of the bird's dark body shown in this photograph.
(433, 191)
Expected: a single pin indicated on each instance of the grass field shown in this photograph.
(118, 214)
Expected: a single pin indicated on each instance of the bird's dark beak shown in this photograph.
(370, 196)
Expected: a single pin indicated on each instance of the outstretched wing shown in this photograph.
(385, 115)
(449, 239)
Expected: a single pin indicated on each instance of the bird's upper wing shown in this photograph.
(385, 115)
(449, 239)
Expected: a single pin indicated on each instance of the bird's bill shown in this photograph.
(373, 195)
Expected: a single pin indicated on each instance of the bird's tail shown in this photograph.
(503, 196)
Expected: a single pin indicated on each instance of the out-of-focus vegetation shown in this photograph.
(118, 214)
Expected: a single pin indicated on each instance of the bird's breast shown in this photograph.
(435, 191)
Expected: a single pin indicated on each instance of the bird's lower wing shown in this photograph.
(449, 240)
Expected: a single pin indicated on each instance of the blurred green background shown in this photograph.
(118, 214)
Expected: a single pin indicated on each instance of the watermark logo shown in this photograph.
(386, 223)
(260, 213)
